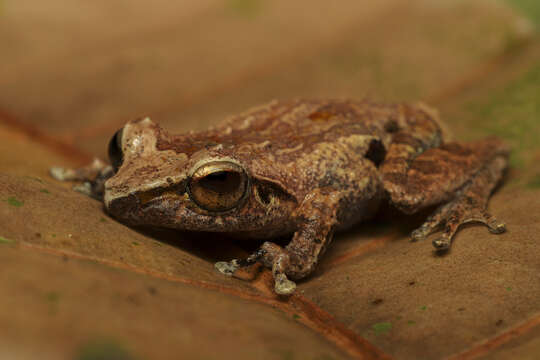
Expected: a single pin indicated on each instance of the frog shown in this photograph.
(298, 169)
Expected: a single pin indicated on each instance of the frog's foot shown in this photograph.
(227, 267)
(92, 177)
(468, 206)
(451, 217)
(279, 260)
(85, 173)
(282, 285)
(299, 258)
(271, 256)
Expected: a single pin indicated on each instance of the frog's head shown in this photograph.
(191, 181)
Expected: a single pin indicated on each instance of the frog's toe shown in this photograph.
(462, 215)
(494, 226)
(431, 224)
(418, 234)
(84, 188)
(62, 174)
(498, 228)
(227, 267)
(442, 243)
(284, 286)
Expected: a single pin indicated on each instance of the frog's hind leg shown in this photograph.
(91, 176)
(460, 177)
(469, 205)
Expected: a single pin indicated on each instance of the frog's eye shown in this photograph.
(218, 186)
(116, 156)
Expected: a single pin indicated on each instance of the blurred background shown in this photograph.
(80, 70)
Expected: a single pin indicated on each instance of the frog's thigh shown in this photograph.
(461, 177)
(438, 173)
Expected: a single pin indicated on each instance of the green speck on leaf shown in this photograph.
(348, 277)
(245, 8)
(411, 322)
(45, 191)
(284, 354)
(534, 183)
(102, 219)
(101, 349)
(135, 243)
(53, 235)
(296, 316)
(31, 177)
(52, 297)
(3, 240)
(323, 357)
(423, 308)
(13, 201)
(382, 328)
(508, 288)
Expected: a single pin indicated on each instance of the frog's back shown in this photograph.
(281, 126)
(307, 121)
(287, 124)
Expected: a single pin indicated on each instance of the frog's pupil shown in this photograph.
(222, 182)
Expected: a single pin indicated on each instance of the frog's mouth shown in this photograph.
(136, 207)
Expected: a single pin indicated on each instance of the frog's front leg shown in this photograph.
(92, 177)
(317, 218)
(459, 177)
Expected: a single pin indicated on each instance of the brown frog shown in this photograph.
(304, 168)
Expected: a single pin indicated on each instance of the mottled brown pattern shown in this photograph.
(312, 167)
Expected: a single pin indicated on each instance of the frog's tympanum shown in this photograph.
(302, 168)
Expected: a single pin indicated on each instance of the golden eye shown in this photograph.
(218, 186)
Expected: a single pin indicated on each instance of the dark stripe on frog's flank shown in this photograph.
(376, 152)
